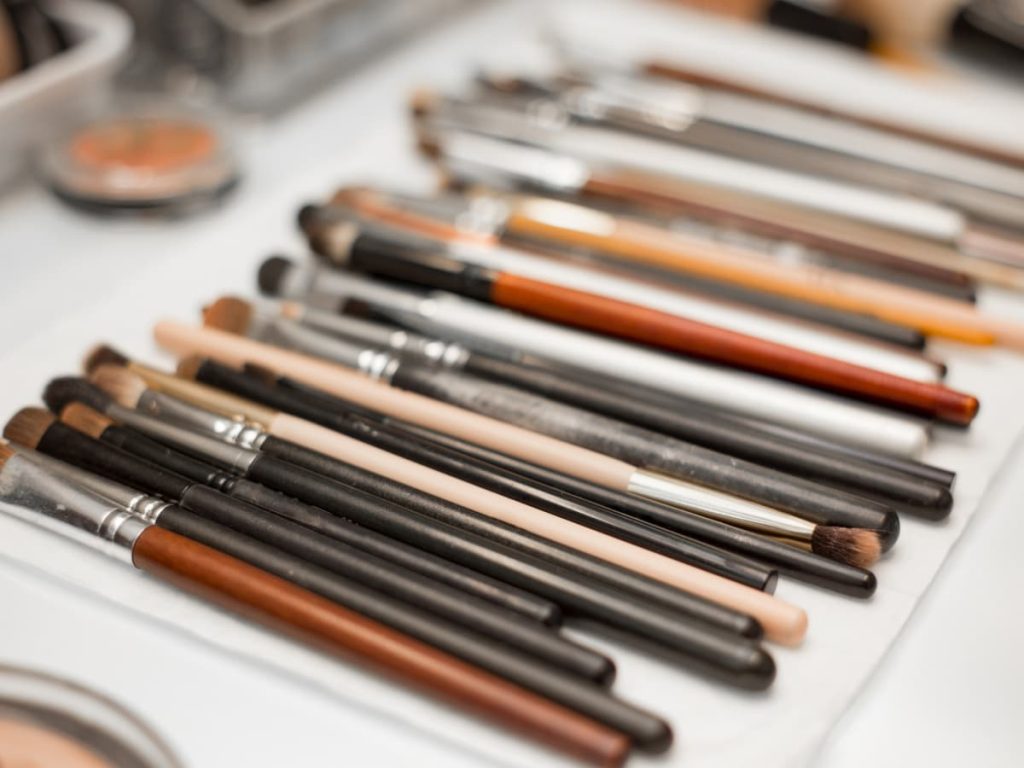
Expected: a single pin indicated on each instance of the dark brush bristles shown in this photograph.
(28, 426)
(102, 354)
(5, 453)
(271, 273)
(83, 418)
(230, 314)
(120, 383)
(67, 389)
(853, 546)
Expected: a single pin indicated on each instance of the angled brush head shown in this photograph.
(229, 313)
(122, 384)
(853, 546)
(67, 389)
(28, 426)
(85, 419)
(103, 354)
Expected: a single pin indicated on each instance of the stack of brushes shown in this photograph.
(650, 350)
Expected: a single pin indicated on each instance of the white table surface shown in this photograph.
(948, 692)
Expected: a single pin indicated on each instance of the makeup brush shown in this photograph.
(736, 660)
(361, 466)
(679, 418)
(33, 495)
(484, 327)
(486, 213)
(649, 451)
(477, 159)
(429, 265)
(129, 389)
(457, 615)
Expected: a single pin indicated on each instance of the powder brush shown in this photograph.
(431, 264)
(733, 659)
(40, 498)
(429, 493)
(484, 327)
(649, 451)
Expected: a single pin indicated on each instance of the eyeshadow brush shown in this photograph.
(736, 660)
(35, 496)
(457, 616)
(648, 451)
(483, 326)
(429, 264)
(166, 406)
(677, 417)
(593, 275)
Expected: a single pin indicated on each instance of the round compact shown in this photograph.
(45, 721)
(153, 161)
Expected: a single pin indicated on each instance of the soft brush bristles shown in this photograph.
(68, 389)
(853, 546)
(85, 419)
(125, 386)
(229, 314)
(103, 355)
(28, 426)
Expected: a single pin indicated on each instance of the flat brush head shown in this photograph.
(28, 426)
(85, 419)
(230, 314)
(853, 546)
(189, 366)
(125, 386)
(102, 354)
(67, 389)
(272, 273)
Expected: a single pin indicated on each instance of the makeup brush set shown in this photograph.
(659, 342)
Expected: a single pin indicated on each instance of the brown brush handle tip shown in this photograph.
(286, 607)
(956, 407)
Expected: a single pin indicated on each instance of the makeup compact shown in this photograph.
(155, 160)
(46, 721)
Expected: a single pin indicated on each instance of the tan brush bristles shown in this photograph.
(5, 453)
(28, 426)
(229, 313)
(122, 384)
(854, 546)
(102, 354)
(422, 102)
(85, 419)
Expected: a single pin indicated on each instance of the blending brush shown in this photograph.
(470, 159)
(731, 658)
(430, 265)
(485, 327)
(458, 617)
(648, 450)
(595, 277)
(682, 419)
(31, 494)
(370, 470)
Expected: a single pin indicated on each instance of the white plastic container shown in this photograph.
(35, 105)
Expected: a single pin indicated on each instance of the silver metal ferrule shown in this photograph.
(295, 335)
(719, 506)
(145, 506)
(232, 457)
(29, 492)
(228, 429)
(378, 364)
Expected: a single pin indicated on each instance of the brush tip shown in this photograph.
(66, 389)
(85, 419)
(28, 426)
(229, 313)
(125, 386)
(188, 367)
(308, 216)
(102, 354)
(854, 546)
(272, 273)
